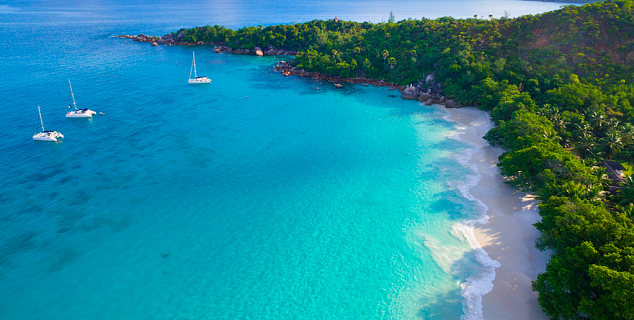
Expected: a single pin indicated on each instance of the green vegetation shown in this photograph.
(560, 89)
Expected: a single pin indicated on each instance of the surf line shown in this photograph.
(474, 287)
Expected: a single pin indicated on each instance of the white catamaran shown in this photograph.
(46, 135)
(78, 113)
(197, 79)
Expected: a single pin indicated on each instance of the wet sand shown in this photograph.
(509, 235)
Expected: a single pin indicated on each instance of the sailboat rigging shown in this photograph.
(45, 135)
(197, 79)
(77, 113)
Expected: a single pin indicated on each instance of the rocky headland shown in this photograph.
(427, 91)
(171, 39)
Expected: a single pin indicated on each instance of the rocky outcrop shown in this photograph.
(429, 102)
(168, 38)
(287, 69)
(423, 96)
(410, 93)
(451, 104)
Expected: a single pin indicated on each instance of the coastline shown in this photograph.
(505, 230)
(503, 237)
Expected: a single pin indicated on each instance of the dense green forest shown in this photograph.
(560, 89)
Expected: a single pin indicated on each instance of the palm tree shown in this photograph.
(597, 119)
(611, 143)
(602, 177)
(392, 62)
(627, 131)
(628, 209)
(571, 189)
(585, 145)
(385, 55)
(626, 195)
(580, 130)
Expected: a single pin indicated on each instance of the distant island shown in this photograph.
(559, 88)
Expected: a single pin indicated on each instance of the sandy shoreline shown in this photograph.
(508, 236)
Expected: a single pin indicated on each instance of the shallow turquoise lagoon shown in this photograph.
(257, 196)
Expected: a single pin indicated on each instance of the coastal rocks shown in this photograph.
(423, 96)
(154, 44)
(217, 50)
(271, 50)
(168, 38)
(410, 93)
(338, 86)
(181, 35)
(451, 104)
(287, 69)
(429, 102)
(258, 51)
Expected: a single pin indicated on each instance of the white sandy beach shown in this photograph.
(508, 236)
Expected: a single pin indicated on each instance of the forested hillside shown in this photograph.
(560, 89)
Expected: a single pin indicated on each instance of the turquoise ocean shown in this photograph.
(255, 197)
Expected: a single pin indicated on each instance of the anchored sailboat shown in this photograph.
(197, 79)
(78, 113)
(45, 135)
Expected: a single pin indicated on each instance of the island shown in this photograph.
(559, 91)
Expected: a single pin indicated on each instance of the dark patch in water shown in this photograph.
(30, 208)
(46, 174)
(67, 179)
(17, 245)
(62, 259)
(165, 255)
(62, 230)
(392, 96)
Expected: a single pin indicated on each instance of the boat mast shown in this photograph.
(192, 68)
(195, 75)
(40, 112)
(71, 93)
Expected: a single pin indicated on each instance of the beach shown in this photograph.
(508, 236)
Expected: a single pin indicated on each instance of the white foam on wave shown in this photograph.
(474, 287)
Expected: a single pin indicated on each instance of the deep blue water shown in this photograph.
(254, 197)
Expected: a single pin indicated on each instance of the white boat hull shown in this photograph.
(80, 114)
(48, 136)
(196, 79)
(199, 81)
